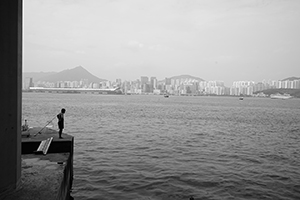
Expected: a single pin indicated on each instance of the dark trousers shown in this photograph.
(61, 127)
(60, 132)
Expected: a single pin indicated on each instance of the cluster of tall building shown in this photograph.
(250, 87)
(83, 83)
(190, 86)
(172, 86)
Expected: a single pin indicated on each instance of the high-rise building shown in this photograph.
(144, 80)
(153, 83)
(297, 84)
(27, 83)
(167, 81)
(118, 82)
(285, 84)
(173, 82)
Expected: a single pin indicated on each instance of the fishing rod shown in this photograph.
(45, 126)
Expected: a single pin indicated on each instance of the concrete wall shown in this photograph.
(11, 94)
(64, 192)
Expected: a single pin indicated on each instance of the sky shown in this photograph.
(227, 40)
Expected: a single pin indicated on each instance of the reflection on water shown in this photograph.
(151, 147)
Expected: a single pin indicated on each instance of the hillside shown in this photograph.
(186, 77)
(75, 74)
(291, 78)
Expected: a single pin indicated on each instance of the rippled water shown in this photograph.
(150, 147)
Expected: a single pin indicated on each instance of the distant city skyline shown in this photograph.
(180, 85)
(145, 76)
(213, 40)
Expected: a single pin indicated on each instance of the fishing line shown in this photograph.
(45, 126)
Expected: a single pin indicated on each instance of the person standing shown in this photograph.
(60, 122)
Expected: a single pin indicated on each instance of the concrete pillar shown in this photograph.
(11, 94)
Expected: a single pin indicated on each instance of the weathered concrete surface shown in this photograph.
(41, 178)
(32, 138)
(40, 133)
(47, 176)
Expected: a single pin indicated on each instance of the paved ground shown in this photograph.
(41, 177)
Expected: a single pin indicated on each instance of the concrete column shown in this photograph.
(11, 94)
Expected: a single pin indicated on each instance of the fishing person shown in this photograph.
(60, 122)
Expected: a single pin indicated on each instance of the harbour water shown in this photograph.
(148, 147)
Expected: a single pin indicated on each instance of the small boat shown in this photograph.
(280, 96)
(241, 98)
(166, 95)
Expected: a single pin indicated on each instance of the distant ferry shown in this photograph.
(280, 96)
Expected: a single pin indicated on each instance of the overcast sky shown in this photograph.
(225, 40)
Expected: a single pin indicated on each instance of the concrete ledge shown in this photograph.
(47, 176)
(31, 140)
(44, 177)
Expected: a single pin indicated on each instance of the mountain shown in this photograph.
(291, 78)
(186, 77)
(75, 74)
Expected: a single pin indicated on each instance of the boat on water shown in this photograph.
(280, 96)
(166, 95)
(241, 98)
